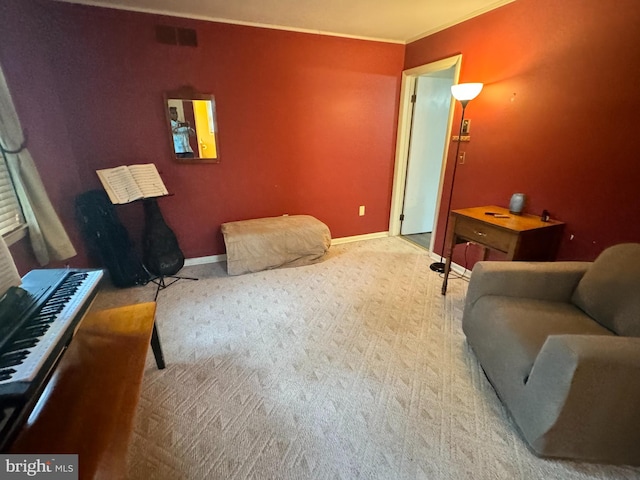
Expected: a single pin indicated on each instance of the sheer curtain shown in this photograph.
(48, 237)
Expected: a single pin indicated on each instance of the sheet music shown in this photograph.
(9, 276)
(126, 184)
(119, 184)
(148, 179)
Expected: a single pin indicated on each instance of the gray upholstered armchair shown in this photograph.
(560, 343)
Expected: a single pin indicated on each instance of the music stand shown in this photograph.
(159, 280)
(142, 182)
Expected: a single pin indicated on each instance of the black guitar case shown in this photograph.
(107, 239)
(161, 251)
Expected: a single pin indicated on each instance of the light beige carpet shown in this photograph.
(353, 368)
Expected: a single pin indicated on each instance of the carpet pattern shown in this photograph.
(353, 368)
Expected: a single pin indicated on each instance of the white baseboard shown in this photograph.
(358, 238)
(460, 270)
(334, 241)
(203, 260)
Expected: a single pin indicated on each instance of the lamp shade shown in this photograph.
(466, 91)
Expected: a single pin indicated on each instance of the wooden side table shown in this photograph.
(521, 237)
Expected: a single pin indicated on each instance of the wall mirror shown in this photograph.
(192, 125)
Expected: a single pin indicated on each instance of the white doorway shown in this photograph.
(424, 127)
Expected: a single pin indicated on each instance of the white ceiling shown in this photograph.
(398, 21)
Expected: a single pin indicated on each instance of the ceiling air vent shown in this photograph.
(176, 36)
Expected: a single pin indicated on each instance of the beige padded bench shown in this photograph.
(266, 243)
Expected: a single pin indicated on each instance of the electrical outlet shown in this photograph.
(361, 210)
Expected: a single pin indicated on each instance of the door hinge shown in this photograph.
(413, 98)
(401, 217)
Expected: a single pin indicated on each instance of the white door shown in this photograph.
(429, 128)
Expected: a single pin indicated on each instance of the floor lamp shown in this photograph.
(463, 92)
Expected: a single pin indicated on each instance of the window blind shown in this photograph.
(10, 212)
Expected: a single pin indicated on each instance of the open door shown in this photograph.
(428, 137)
(422, 146)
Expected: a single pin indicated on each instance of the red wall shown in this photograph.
(557, 116)
(307, 123)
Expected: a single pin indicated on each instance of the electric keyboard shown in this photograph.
(37, 322)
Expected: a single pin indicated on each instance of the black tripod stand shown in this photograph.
(162, 255)
(160, 281)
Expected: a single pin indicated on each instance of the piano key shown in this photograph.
(21, 344)
(13, 358)
(6, 374)
(33, 330)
